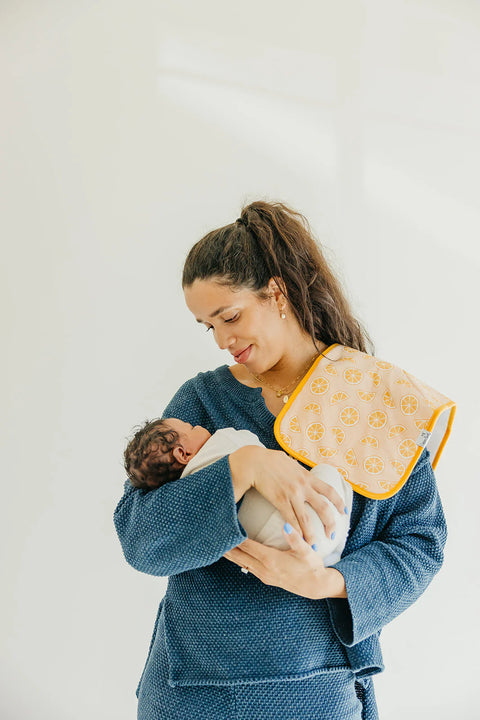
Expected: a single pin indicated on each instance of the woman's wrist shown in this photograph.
(333, 585)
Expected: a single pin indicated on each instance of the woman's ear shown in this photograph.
(181, 456)
(277, 289)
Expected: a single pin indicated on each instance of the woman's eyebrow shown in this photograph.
(217, 312)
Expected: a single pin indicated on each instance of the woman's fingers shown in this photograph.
(292, 505)
(289, 487)
(317, 499)
(296, 542)
(325, 489)
(289, 514)
(324, 511)
(304, 520)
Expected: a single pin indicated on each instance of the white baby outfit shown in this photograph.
(260, 519)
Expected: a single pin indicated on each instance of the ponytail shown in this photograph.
(271, 240)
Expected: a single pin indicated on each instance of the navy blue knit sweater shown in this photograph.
(223, 627)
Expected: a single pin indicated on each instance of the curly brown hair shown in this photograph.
(274, 241)
(148, 457)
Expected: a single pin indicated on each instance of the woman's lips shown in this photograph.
(243, 356)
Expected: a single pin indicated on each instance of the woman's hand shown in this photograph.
(299, 570)
(286, 485)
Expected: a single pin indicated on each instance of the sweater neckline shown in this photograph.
(237, 389)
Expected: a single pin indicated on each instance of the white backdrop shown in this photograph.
(128, 130)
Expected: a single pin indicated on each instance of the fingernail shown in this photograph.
(315, 547)
(345, 510)
(332, 536)
(288, 528)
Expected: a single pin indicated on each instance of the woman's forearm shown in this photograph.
(159, 540)
(241, 469)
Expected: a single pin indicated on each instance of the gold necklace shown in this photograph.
(280, 392)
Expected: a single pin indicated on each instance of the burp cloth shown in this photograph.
(368, 418)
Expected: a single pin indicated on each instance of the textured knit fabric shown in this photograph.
(321, 697)
(217, 626)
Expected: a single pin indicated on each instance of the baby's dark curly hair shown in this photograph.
(148, 457)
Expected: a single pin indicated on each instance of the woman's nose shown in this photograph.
(224, 339)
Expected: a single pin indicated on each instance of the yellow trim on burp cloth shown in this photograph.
(368, 418)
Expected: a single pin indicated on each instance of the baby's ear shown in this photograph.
(180, 455)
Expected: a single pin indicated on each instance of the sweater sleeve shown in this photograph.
(185, 524)
(388, 574)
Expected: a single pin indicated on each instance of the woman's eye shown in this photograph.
(232, 319)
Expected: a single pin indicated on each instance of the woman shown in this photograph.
(289, 638)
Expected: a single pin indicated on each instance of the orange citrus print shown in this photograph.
(342, 472)
(339, 434)
(369, 440)
(407, 448)
(388, 400)
(315, 431)
(313, 407)
(338, 397)
(294, 424)
(373, 464)
(353, 376)
(384, 365)
(360, 485)
(409, 404)
(399, 468)
(351, 458)
(286, 439)
(377, 419)
(385, 484)
(396, 430)
(363, 416)
(326, 452)
(319, 386)
(349, 416)
(366, 396)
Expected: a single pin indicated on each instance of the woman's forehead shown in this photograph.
(206, 298)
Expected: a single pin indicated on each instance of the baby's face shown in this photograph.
(192, 438)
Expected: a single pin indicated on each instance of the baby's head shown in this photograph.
(159, 451)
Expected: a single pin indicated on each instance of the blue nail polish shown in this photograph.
(332, 536)
(288, 528)
(315, 547)
(346, 510)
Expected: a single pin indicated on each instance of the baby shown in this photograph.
(168, 449)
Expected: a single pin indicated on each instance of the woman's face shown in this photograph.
(249, 328)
